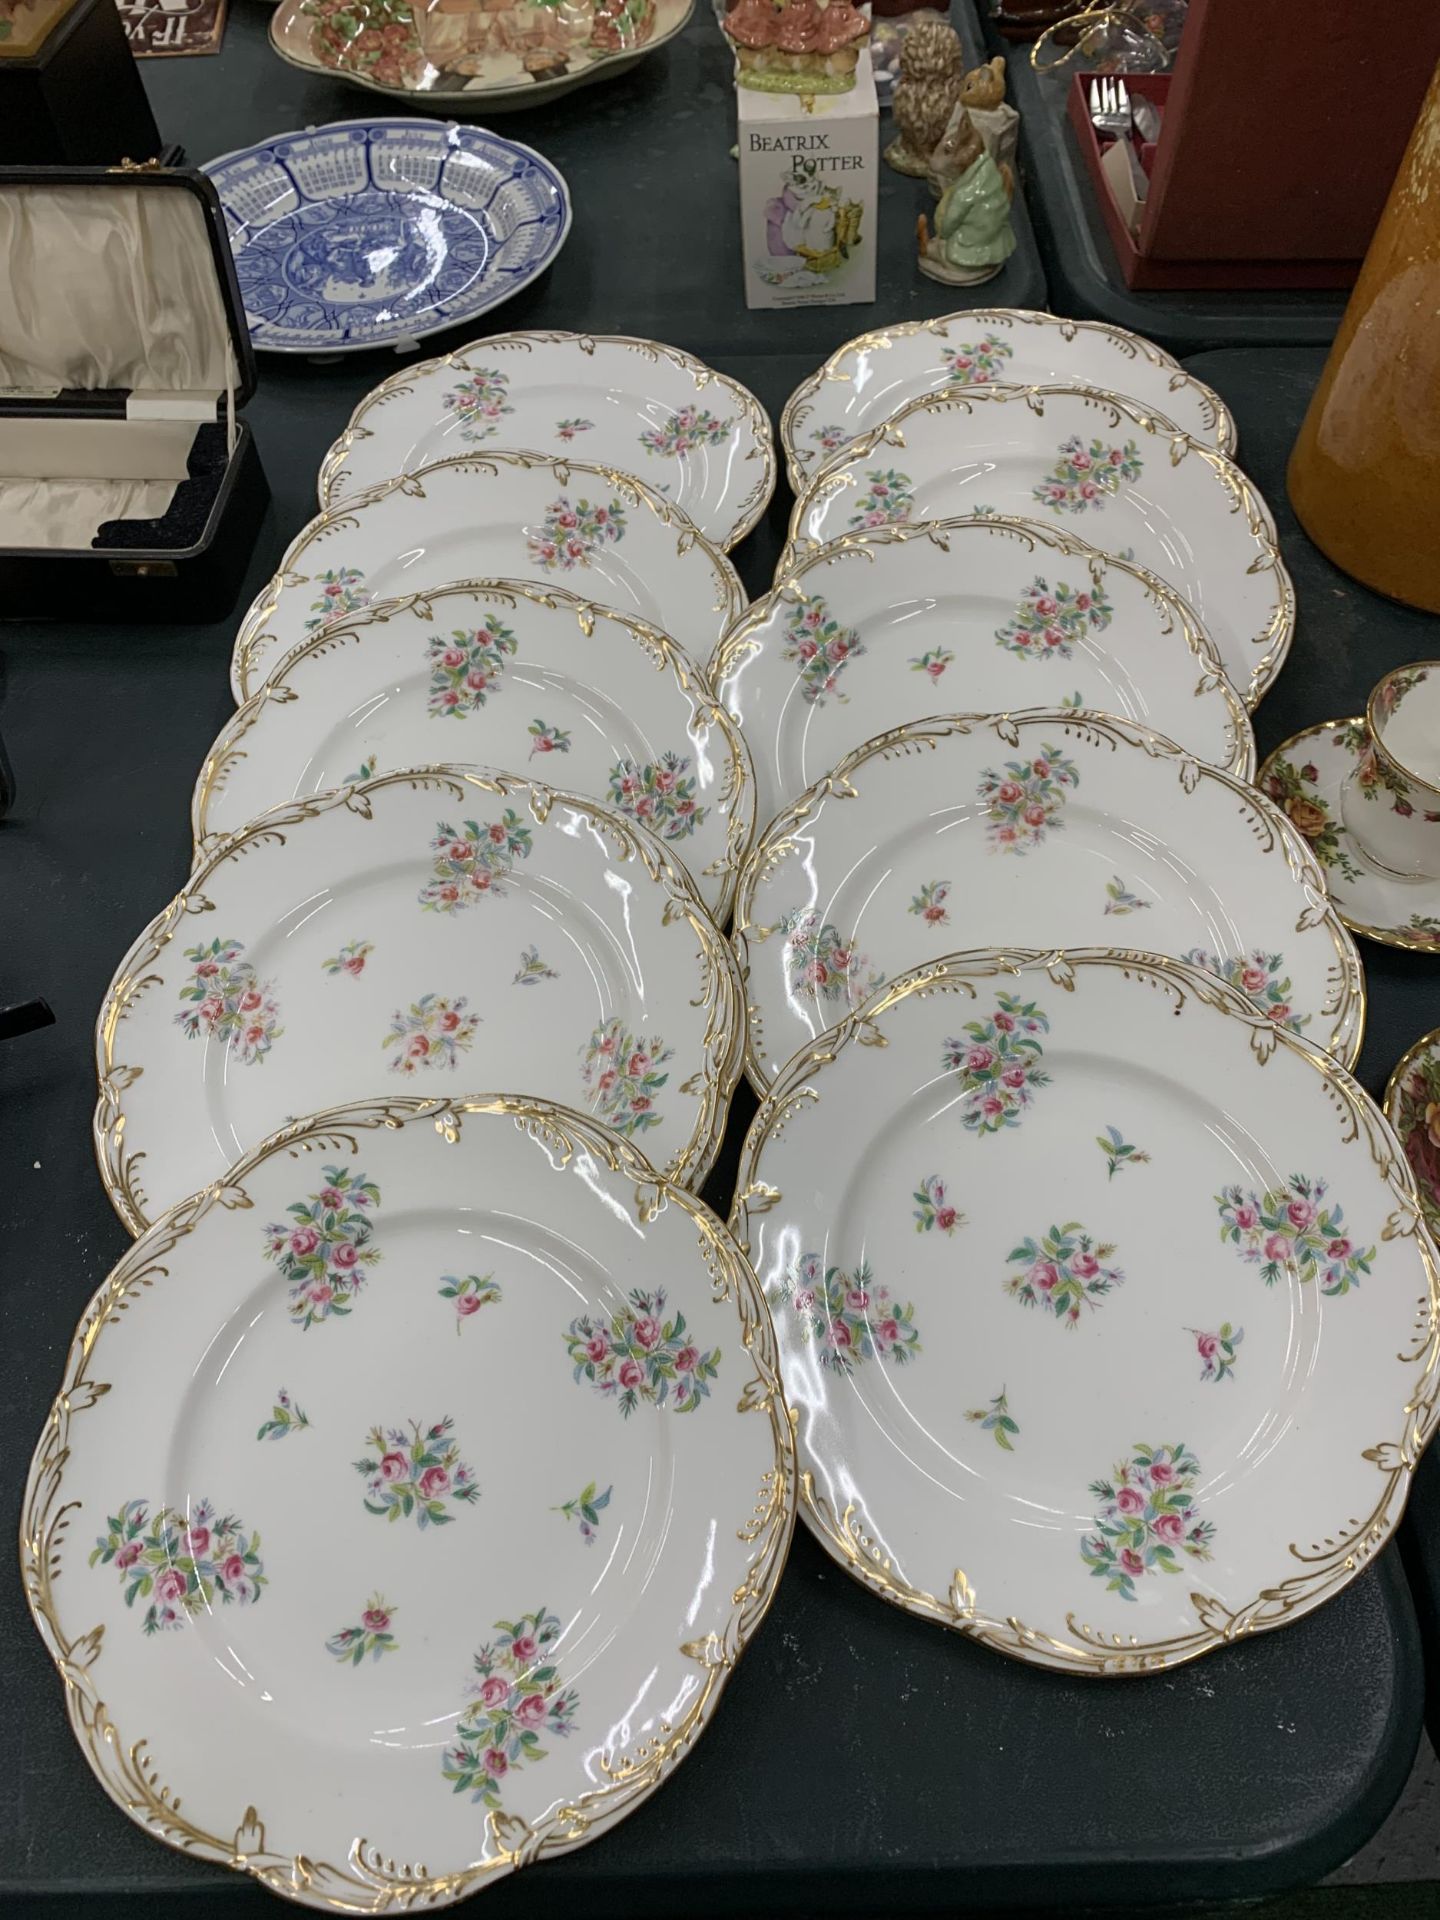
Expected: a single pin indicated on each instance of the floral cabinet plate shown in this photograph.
(993, 614)
(1091, 462)
(374, 233)
(696, 437)
(506, 675)
(868, 380)
(295, 1489)
(494, 516)
(430, 931)
(1412, 1106)
(1105, 1305)
(1056, 828)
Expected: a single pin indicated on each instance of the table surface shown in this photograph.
(935, 1774)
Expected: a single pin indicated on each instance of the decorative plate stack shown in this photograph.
(1048, 1232)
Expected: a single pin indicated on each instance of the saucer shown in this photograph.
(1303, 776)
(1412, 1106)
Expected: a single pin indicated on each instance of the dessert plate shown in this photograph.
(432, 930)
(508, 675)
(1412, 1106)
(377, 233)
(1104, 1304)
(1087, 461)
(868, 380)
(1303, 776)
(696, 437)
(1032, 828)
(866, 635)
(494, 516)
(487, 1653)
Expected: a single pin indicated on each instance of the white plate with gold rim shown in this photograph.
(435, 930)
(1038, 829)
(1095, 463)
(993, 614)
(487, 1652)
(700, 439)
(868, 380)
(1105, 1306)
(502, 674)
(494, 516)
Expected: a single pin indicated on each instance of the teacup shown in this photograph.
(1390, 801)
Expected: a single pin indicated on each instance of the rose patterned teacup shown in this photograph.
(1390, 801)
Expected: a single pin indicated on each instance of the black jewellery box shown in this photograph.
(130, 488)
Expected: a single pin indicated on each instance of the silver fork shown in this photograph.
(1110, 107)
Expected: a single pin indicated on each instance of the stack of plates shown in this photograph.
(1044, 1219)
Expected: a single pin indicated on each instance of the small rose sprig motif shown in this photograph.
(1087, 477)
(470, 1294)
(819, 649)
(228, 1003)
(287, 1416)
(1147, 1518)
(479, 402)
(1293, 789)
(1048, 621)
(997, 1421)
(889, 502)
(181, 1563)
(929, 904)
(818, 963)
(1262, 976)
(1027, 799)
(686, 430)
(573, 530)
(532, 969)
(567, 429)
(323, 1251)
(340, 593)
(466, 668)
(638, 1354)
(933, 663)
(515, 1696)
(1424, 928)
(976, 363)
(586, 1507)
(999, 1064)
(660, 794)
(1217, 1350)
(431, 1032)
(1062, 1272)
(546, 739)
(1119, 898)
(416, 1473)
(620, 1072)
(473, 863)
(373, 1636)
(1119, 1152)
(1290, 1230)
(829, 439)
(847, 1317)
(350, 959)
(933, 1211)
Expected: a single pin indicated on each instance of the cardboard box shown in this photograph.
(808, 185)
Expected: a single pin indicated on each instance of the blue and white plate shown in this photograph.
(373, 233)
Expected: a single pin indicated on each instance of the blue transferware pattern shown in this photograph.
(376, 233)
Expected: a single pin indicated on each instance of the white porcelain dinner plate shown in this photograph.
(1104, 1305)
(496, 515)
(1091, 462)
(696, 437)
(861, 636)
(507, 675)
(365, 1531)
(868, 380)
(432, 930)
(1032, 829)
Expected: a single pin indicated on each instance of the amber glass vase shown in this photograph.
(1365, 473)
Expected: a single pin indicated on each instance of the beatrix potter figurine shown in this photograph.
(973, 237)
(931, 68)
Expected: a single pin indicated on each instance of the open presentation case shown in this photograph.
(130, 487)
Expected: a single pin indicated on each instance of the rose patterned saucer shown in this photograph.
(698, 438)
(1104, 1302)
(1412, 1106)
(1093, 462)
(432, 930)
(494, 516)
(997, 614)
(515, 676)
(1039, 827)
(1303, 776)
(868, 380)
(364, 1529)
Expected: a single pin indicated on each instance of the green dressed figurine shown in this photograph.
(973, 237)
